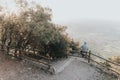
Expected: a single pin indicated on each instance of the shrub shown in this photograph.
(33, 30)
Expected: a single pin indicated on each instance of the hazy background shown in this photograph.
(102, 36)
(94, 21)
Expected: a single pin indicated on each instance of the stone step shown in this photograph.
(62, 65)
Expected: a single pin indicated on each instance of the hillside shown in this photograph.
(11, 69)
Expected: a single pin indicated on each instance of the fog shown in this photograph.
(95, 21)
(103, 37)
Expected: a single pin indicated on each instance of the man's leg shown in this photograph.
(85, 54)
(82, 53)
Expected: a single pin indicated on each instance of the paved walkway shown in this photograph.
(72, 69)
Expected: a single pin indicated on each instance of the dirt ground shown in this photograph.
(12, 69)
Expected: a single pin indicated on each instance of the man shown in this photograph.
(84, 49)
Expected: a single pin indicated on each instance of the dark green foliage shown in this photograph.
(59, 49)
(74, 46)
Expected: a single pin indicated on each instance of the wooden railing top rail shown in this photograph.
(105, 59)
(107, 67)
(47, 58)
(45, 63)
(89, 58)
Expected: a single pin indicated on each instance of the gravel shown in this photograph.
(11, 69)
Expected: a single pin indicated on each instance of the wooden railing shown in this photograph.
(89, 56)
(46, 60)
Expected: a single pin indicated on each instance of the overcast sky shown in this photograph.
(75, 10)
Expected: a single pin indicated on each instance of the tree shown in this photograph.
(33, 29)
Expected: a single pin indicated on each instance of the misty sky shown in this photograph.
(75, 10)
(94, 21)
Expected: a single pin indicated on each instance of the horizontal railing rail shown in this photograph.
(24, 56)
(91, 59)
(105, 59)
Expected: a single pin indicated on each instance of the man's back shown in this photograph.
(84, 47)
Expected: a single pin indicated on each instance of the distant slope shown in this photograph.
(102, 36)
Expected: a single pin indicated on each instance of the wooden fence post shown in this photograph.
(89, 54)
